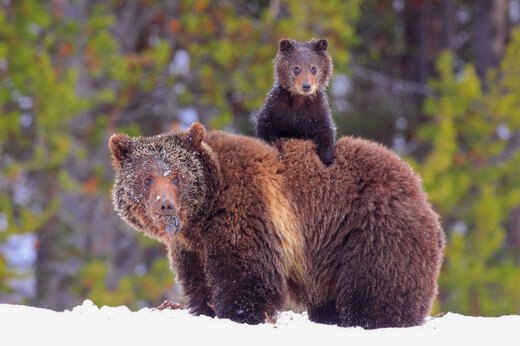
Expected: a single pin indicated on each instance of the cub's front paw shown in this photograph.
(327, 160)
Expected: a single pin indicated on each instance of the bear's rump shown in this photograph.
(370, 235)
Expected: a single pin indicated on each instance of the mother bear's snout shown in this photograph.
(163, 197)
(164, 206)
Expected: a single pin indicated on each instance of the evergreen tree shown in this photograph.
(471, 175)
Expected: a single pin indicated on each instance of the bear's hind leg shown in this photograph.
(377, 291)
(358, 310)
(325, 313)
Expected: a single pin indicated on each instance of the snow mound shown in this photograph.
(88, 324)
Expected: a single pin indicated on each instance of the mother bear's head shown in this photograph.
(160, 181)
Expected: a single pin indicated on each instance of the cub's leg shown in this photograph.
(325, 143)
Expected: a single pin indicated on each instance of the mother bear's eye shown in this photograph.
(148, 181)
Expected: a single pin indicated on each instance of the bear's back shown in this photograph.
(365, 179)
(367, 214)
(364, 173)
(242, 157)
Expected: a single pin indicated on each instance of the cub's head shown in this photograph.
(160, 181)
(303, 68)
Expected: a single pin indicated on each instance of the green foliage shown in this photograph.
(40, 101)
(231, 50)
(40, 143)
(129, 290)
(472, 181)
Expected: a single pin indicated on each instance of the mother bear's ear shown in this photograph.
(196, 133)
(120, 146)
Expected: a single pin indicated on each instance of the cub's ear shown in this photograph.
(196, 133)
(285, 46)
(321, 45)
(120, 146)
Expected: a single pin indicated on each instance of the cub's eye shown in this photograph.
(314, 70)
(148, 181)
(175, 181)
(296, 70)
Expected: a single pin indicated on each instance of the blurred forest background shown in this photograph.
(437, 81)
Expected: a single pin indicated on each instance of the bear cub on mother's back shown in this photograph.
(297, 105)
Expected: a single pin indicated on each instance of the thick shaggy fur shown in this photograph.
(357, 243)
(290, 111)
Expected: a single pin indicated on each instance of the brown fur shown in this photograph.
(356, 243)
(289, 236)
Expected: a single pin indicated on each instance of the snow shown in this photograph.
(85, 324)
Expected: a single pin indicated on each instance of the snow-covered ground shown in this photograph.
(89, 325)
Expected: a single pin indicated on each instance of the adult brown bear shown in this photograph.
(248, 226)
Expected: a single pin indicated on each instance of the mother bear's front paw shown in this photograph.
(206, 310)
(245, 315)
(252, 302)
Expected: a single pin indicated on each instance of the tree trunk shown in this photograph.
(490, 34)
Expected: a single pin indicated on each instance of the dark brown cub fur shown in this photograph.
(297, 105)
(249, 227)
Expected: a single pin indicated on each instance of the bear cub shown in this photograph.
(297, 105)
